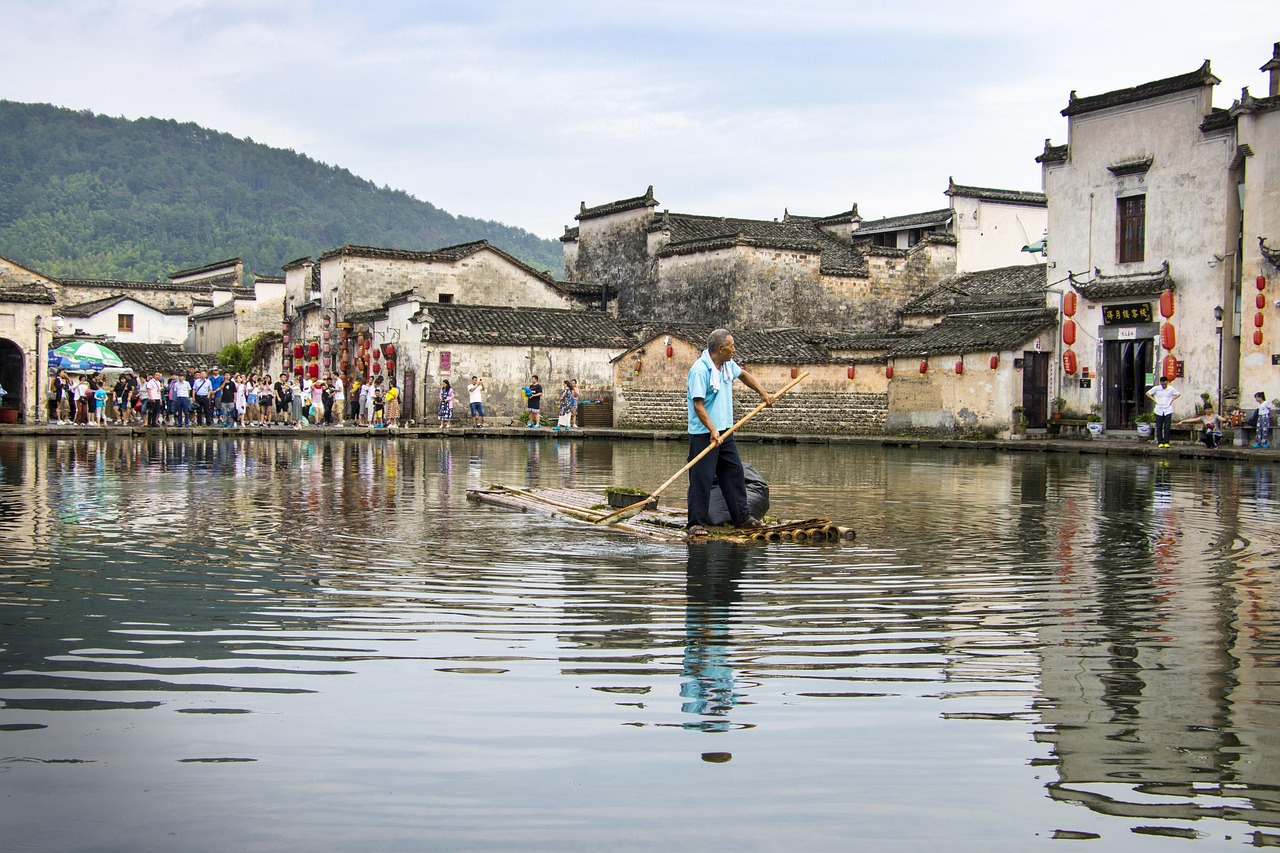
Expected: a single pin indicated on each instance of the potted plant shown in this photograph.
(1059, 406)
(1145, 423)
(1093, 422)
(1019, 421)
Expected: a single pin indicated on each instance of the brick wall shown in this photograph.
(820, 413)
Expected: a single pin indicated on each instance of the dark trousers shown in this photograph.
(1163, 425)
(155, 408)
(723, 464)
(204, 410)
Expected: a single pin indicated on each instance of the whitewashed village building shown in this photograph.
(1156, 190)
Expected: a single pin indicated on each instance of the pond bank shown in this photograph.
(1118, 444)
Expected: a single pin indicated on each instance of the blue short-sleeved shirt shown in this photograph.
(719, 404)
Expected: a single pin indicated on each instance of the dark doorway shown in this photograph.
(1035, 388)
(1126, 366)
(11, 373)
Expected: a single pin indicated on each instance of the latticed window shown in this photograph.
(1133, 228)
(124, 322)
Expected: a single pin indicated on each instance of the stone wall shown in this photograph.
(821, 413)
(482, 278)
(615, 250)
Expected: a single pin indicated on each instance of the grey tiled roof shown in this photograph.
(231, 262)
(109, 284)
(1032, 199)
(145, 359)
(867, 343)
(88, 309)
(26, 293)
(691, 234)
(764, 346)
(991, 332)
(226, 309)
(300, 262)
(1052, 154)
(1202, 76)
(900, 223)
(499, 325)
(570, 235)
(618, 206)
(1124, 286)
(1019, 286)
(448, 254)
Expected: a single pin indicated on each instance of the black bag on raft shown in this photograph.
(757, 497)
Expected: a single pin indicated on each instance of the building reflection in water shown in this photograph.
(709, 686)
(1158, 692)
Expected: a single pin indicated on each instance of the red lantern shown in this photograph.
(1258, 319)
(995, 362)
(1168, 336)
(1068, 332)
(313, 370)
(924, 365)
(1170, 367)
(1257, 338)
(326, 348)
(284, 327)
(286, 340)
(327, 334)
(670, 350)
(327, 321)
(849, 371)
(795, 371)
(377, 354)
(1069, 303)
(391, 366)
(960, 367)
(377, 367)
(298, 370)
(1166, 304)
(297, 350)
(888, 371)
(389, 350)
(1069, 363)
(1260, 301)
(313, 349)
(1261, 282)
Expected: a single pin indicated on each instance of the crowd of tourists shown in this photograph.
(211, 398)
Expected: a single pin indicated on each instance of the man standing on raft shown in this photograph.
(710, 403)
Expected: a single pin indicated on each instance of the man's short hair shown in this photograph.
(717, 339)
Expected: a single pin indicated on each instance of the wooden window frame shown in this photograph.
(124, 323)
(1131, 229)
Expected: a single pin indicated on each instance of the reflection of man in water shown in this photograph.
(713, 572)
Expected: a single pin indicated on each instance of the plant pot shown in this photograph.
(620, 498)
(1145, 430)
(1095, 428)
(8, 416)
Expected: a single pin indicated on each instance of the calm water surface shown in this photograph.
(250, 644)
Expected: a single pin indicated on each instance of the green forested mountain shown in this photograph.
(90, 196)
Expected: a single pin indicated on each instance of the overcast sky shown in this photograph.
(517, 111)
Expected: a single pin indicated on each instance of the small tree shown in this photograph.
(247, 355)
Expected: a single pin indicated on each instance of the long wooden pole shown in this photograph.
(629, 511)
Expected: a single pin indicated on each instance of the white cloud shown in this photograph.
(517, 111)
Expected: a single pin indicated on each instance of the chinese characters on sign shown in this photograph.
(1137, 312)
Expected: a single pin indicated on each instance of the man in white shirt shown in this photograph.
(182, 401)
(1163, 394)
(475, 397)
(339, 391)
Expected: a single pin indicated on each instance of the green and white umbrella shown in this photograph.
(90, 353)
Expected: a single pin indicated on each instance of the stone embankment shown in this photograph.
(1121, 444)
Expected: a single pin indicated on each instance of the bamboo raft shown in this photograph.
(666, 525)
